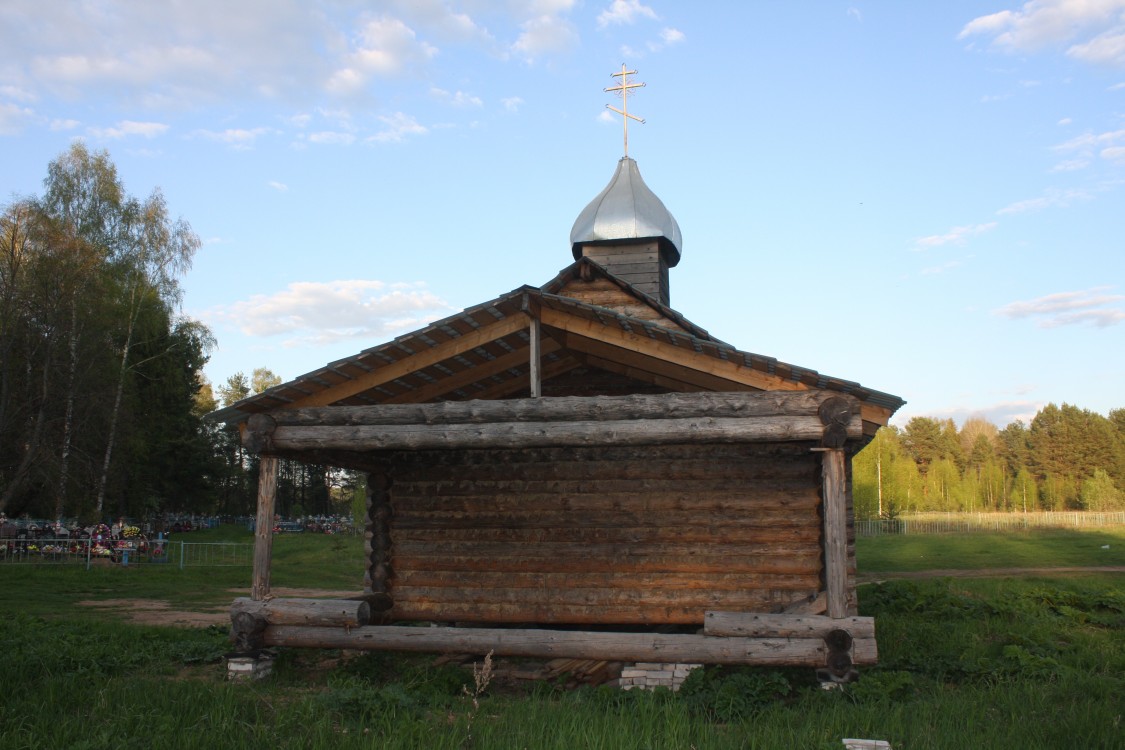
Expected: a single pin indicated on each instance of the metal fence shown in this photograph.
(961, 523)
(92, 553)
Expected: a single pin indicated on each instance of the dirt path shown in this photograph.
(160, 612)
(987, 573)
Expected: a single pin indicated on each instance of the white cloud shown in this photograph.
(280, 187)
(1114, 153)
(1070, 165)
(457, 99)
(1096, 28)
(1064, 121)
(625, 12)
(325, 312)
(17, 93)
(13, 118)
(1088, 141)
(956, 235)
(671, 36)
(383, 47)
(1107, 48)
(1094, 306)
(934, 270)
(606, 116)
(1116, 87)
(1051, 199)
(399, 126)
(236, 138)
(854, 13)
(545, 36)
(332, 137)
(127, 128)
(512, 103)
(58, 125)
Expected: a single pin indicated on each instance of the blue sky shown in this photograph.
(923, 197)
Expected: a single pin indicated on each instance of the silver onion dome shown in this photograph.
(627, 210)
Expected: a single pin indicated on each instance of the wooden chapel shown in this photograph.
(577, 470)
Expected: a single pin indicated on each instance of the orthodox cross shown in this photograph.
(623, 89)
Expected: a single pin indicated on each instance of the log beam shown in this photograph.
(343, 613)
(541, 434)
(689, 648)
(761, 625)
(567, 409)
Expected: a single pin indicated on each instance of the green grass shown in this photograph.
(1040, 548)
(992, 663)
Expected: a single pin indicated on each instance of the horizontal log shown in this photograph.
(566, 409)
(419, 463)
(749, 598)
(577, 485)
(639, 464)
(314, 612)
(633, 537)
(776, 652)
(411, 518)
(599, 581)
(533, 434)
(699, 506)
(578, 614)
(580, 560)
(762, 625)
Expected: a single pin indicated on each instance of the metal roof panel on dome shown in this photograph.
(626, 209)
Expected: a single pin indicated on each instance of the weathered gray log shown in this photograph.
(570, 409)
(263, 529)
(257, 437)
(349, 613)
(836, 410)
(835, 532)
(558, 644)
(246, 631)
(755, 625)
(542, 434)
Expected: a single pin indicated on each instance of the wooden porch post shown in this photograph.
(263, 528)
(835, 532)
(535, 354)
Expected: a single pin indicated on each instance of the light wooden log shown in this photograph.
(345, 613)
(560, 644)
(534, 358)
(567, 409)
(263, 528)
(835, 532)
(760, 625)
(543, 434)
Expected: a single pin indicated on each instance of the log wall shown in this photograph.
(624, 535)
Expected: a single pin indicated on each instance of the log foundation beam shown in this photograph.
(787, 652)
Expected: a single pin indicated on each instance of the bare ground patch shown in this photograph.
(160, 612)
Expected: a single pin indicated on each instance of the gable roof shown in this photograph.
(482, 352)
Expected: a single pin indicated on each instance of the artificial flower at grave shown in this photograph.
(130, 532)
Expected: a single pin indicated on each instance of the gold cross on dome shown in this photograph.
(623, 90)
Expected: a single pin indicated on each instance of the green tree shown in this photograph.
(1100, 493)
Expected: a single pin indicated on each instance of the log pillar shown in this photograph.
(834, 491)
(533, 364)
(377, 542)
(263, 528)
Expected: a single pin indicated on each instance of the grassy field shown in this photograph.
(1008, 662)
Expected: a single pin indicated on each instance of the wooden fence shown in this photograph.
(960, 523)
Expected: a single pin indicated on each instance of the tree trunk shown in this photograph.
(68, 418)
(103, 480)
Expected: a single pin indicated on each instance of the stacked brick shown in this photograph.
(650, 675)
(249, 667)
